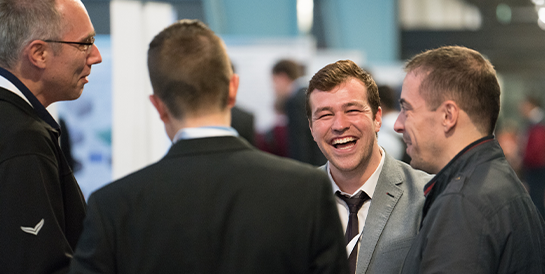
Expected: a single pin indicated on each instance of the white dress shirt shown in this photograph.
(203, 132)
(368, 187)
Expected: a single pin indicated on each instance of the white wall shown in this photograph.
(138, 136)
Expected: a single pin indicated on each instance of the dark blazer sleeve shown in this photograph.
(329, 251)
(30, 199)
(94, 253)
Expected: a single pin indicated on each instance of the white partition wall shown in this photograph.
(138, 136)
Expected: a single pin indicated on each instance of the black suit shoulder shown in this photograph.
(220, 206)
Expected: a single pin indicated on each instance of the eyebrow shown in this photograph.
(90, 36)
(321, 109)
(353, 104)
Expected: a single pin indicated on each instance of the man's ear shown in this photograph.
(161, 108)
(38, 52)
(449, 114)
(378, 119)
(233, 89)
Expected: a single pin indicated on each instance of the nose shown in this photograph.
(94, 56)
(399, 125)
(340, 123)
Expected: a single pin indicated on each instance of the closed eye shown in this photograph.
(324, 115)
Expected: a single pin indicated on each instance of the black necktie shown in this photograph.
(352, 229)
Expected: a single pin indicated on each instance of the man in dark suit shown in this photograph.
(46, 54)
(379, 199)
(213, 204)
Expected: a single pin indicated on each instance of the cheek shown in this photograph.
(319, 130)
(412, 129)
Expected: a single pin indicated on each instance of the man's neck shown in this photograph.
(217, 119)
(27, 76)
(350, 181)
(454, 144)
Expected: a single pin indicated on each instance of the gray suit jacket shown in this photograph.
(393, 219)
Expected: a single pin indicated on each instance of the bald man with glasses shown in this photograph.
(46, 53)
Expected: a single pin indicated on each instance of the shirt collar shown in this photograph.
(203, 132)
(16, 86)
(368, 187)
(5, 83)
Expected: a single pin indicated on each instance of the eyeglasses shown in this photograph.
(83, 46)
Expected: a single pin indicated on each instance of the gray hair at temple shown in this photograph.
(23, 21)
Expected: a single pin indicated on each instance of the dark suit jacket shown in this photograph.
(243, 122)
(301, 144)
(393, 219)
(41, 205)
(214, 205)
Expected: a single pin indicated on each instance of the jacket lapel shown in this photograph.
(386, 196)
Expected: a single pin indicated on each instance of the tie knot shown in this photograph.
(354, 203)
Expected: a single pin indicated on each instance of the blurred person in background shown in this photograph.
(533, 161)
(242, 121)
(508, 137)
(388, 138)
(284, 75)
(289, 79)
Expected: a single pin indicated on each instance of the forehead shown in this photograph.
(352, 90)
(76, 23)
(410, 91)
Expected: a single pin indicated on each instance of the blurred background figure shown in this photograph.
(284, 75)
(243, 122)
(301, 145)
(533, 161)
(508, 137)
(388, 139)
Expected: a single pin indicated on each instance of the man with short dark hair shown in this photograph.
(378, 198)
(477, 218)
(46, 54)
(213, 204)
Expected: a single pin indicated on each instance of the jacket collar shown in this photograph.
(38, 107)
(207, 145)
(464, 162)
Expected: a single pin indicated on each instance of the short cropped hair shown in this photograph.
(23, 21)
(189, 68)
(332, 75)
(462, 75)
(289, 67)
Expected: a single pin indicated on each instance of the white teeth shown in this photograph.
(343, 140)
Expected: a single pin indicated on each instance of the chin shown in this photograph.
(421, 165)
(344, 167)
(77, 94)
